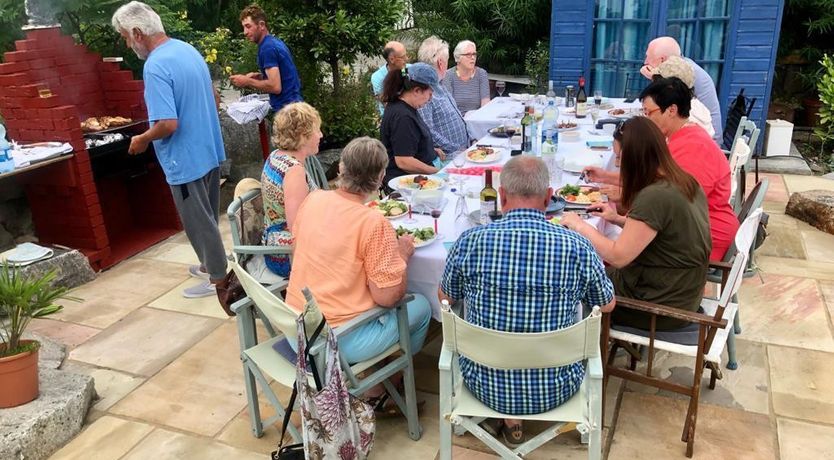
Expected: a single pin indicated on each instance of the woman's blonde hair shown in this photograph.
(294, 124)
(363, 161)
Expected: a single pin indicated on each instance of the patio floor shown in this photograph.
(170, 384)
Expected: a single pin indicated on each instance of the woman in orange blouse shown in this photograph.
(350, 257)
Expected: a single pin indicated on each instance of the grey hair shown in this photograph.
(361, 168)
(431, 49)
(525, 176)
(137, 15)
(461, 47)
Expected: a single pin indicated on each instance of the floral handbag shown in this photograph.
(335, 424)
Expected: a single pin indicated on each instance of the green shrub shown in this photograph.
(348, 114)
(226, 55)
(825, 87)
(537, 65)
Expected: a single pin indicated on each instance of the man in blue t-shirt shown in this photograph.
(278, 75)
(185, 132)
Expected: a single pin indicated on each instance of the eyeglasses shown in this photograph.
(618, 129)
(472, 55)
(648, 113)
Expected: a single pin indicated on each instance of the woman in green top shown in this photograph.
(662, 254)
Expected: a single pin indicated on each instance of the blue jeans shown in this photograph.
(376, 336)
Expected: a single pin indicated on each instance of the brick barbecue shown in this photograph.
(108, 207)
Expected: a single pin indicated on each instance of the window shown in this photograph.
(623, 29)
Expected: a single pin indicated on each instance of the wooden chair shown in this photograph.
(508, 350)
(703, 339)
(275, 359)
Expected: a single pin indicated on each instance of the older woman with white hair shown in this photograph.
(676, 66)
(351, 258)
(468, 83)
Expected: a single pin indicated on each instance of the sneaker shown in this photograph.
(513, 436)
(204, 289)
(196, 272)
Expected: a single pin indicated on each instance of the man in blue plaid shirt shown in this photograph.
(524, 274)
(441, 114)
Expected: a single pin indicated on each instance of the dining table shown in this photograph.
(427, 264)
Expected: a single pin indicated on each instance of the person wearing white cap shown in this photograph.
(675, 66)
(405, 135)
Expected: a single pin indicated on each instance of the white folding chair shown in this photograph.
(738, 158)
(509, 350)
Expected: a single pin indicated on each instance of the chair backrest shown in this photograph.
(754, 200)
(741, 107)
(634, 85)
(276, 310)
(511, 350)
(743, 242)
(738, 158)
(246, 217)
(316, 172)
(748, 132)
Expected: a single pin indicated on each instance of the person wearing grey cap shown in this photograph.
(405, 135)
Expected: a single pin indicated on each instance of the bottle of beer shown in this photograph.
(489, 198)
(581, 100)
(526, 134)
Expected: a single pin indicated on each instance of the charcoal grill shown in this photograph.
(112, 158)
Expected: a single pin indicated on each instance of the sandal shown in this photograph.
(492, 426)
(513, 435)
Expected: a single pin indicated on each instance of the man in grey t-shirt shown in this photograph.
(661, 48)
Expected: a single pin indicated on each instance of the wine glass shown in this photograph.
(499, 87)
(509, 130)
(459, 158)
(408, 193)
(435, 214)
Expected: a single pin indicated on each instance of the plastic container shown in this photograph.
(6, 161)
(778, 137)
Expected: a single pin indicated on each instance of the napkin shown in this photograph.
(473, 171)
(600, 144)
(27, 253)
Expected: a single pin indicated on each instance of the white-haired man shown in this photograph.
(658, 51)
(523, 274)
(441, 114)
(185, 132)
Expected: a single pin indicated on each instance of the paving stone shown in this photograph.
(776, 188)
(801, 383)
(108, 438)
(650, 427)
(802, 441)
(818, 245)
(51, 354)
(783, 165)
(815, 207)
(796, 267)
(204, 306)
(111, 386)
(69, 334)
(745, 388)
(146, 341)
(35, 430)
(164, 444)
(784, 310)
(783, 239)
(805, 183)
(171, 252)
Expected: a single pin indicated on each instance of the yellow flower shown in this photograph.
(213, 51)
(228, 69)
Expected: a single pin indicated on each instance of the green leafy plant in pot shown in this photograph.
(22, 299)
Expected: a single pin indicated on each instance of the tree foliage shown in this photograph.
(503, 30)
(334, 32)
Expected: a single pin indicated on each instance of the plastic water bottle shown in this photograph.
(550, 117)
(549, 155)
(6, 161)
(535, 136)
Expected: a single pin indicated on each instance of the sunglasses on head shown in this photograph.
(618, 129)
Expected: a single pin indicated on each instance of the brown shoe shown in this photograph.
(513, 435)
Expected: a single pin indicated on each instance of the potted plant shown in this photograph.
(23, 298)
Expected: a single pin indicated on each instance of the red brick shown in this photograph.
(119, 77)
(15, 124)
(83, 69)
(11, 102)
(86, 178)
(67, 136)
(41, 102)
(134, 85)
(31, 114)
(42, 63)
(13, 133)
(13, 67)
(32, 135)
(25, 45)
(16, 56)
(109, 67)
(66, 123)
(14, 79)
(46, 35)
(26, 90)
(79, 145)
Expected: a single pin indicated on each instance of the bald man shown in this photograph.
(658, 51)
(395, 59)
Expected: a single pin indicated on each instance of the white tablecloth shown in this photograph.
(493, 114)
(427, 264)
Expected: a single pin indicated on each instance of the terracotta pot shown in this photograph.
(19, 378)
(812, 111)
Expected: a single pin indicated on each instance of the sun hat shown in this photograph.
(676, 66)
(422, 73)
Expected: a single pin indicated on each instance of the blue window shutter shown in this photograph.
(751, 57)
(571, 32)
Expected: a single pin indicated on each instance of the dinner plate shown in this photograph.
(423, 243)
(405, 212)
(496, 132)
(521, 97)
(629, 113)
(496, 155)
(395, 182)
(564, 130)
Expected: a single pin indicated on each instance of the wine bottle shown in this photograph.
(581, 100)
(489, 198)
(526, 125)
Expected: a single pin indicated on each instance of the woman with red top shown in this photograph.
(666, 102)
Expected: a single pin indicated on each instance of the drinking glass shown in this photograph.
(499, 87)
(509, 130)
(408, 193)
(459, 158)
(595, 115)
(598, 97)
(436, 211)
